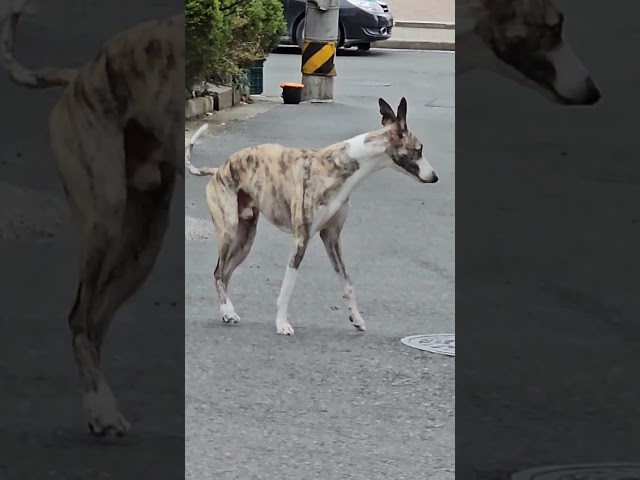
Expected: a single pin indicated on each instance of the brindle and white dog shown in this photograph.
(116, 137)
(523, 40)
(303, 192)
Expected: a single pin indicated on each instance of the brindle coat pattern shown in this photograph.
(274, 187)
(115, 135)
(290, 190)
(301, 191)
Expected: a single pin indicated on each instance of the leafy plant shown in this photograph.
(205, 38)
(223, 37)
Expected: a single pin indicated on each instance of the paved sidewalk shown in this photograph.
(442, 11)
(422, 25)
(420, 36)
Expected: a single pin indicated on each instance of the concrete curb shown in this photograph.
(197, 107)
(415, 45)
(223, 97)
(421, 36)
(428, 25)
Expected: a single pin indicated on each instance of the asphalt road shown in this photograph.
(42, 431)
(329, 403)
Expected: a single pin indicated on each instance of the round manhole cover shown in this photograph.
(442, 343)
(606, 471)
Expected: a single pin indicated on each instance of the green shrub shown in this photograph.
(260, 23)
(205, 38)
(223, 37)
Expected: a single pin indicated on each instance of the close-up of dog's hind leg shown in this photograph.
(99, 403)
(112, 271)
(235, 237)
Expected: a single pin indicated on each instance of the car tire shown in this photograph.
(299, 34)
(364, 47)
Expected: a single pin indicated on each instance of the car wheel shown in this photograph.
(364, 47)
(299, 34)
(340, 36)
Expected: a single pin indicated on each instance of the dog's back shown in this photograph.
(275, 176)
(136, 74)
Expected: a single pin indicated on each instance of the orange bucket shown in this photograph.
(292, 93)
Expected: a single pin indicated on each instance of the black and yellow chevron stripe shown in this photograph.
(318, 58)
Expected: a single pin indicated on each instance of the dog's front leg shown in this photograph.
(283, 327)
(330, 236)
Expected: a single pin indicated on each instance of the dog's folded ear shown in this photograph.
(388, 117)
(402, 114)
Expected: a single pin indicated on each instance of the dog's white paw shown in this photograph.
(230, 317)
(103, 417)
(358, 322)
(284, 328)
(228, 313)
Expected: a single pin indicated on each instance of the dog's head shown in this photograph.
(528, 37)
(404, 150)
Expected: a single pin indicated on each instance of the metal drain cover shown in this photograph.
(441, 343)
(603, 471)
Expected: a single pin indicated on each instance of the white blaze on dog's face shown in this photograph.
(527, 37)
(405, 151)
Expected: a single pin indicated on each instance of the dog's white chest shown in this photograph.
(322, 217)
(326, 212)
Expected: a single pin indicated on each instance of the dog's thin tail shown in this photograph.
(42, 78)
(199, 172)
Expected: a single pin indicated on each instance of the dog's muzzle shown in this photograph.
(433, 178)
(593, 95)
(571, 83)
(426, 174)
(590, 95)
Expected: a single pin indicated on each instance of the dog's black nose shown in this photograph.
(435, 178)
(593, 93)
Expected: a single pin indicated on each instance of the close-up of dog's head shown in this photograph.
(405, 150)
(528, 37)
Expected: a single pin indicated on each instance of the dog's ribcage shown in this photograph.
(289, 186)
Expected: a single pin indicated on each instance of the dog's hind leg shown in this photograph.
(236, 254)
(115, 269)
(330, 236)
(145, 222)
(245, 235)
(100, 405)
(235, 234)
(92, 170)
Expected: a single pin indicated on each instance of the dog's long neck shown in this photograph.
(370, 149)
(365, 154)
(358, 157)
